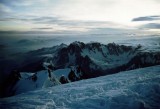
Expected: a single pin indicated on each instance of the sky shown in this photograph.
(63, 16)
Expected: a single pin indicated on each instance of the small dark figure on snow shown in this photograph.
(34, 77)
(72, 76)
(63, 80)
(49, 73)
(50, 69)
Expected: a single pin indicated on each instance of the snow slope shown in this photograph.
(135, 89)
(26, 83)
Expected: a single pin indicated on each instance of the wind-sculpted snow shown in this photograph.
(135, 89)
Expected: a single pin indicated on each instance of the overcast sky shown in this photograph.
(78, 15)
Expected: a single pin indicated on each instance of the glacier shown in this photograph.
(134, 89)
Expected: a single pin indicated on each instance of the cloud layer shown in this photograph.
(151, 26)
(147, 18)
(75, 15)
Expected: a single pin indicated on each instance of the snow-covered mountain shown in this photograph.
(134, 89)
(89, 60)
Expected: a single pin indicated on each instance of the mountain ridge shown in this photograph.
(91, 56)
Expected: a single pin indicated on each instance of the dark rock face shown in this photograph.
(145, 59)
(62, 57)
(139, 59)
(6, 89)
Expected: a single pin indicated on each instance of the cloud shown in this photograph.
(151, 26)
(58, 23)
(45, 20)
(33, 19)
(73, 23)
(43, 28)
(4, 8)
(23, 2)
(147, 18)
(152, 22)
(25, 41)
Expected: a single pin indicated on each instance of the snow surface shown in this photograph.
(135, 89)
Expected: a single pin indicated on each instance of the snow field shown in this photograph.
(136, 89)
